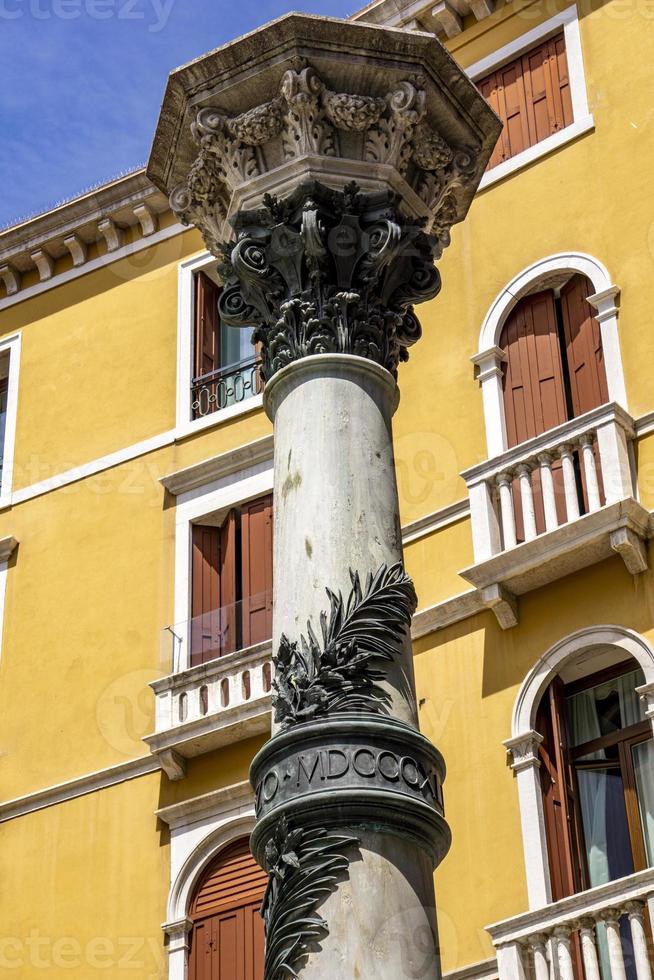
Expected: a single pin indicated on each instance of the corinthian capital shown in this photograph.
(328, 272)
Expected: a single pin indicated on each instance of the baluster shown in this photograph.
(589, 948)
(549, 496)
(636, 913)
(538, 945)
(590, 469)
(569, 483)
(527, 498)
(504, 481)
(564, 952)
(611, 919)
(510, 964)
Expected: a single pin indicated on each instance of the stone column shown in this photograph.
(327, 206)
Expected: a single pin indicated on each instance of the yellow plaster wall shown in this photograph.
(84, 887)
(91, 585)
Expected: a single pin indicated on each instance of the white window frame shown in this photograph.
(489, 357)
(524, 741)
(214, 499)
(185, 424)
(199, 829)
(582, 121)
(10, 345)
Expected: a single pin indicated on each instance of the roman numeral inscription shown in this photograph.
(351, 766)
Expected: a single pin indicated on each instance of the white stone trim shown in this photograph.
(487, 360)
(485, 970)
(444, 517)
(80, 786)
(185, 425)
(521, 160)
(524, 739)
(214, 498)
(85, 470)
(582, 119)
(199, 829)
(10, 345)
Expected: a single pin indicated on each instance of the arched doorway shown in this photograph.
(227, 938)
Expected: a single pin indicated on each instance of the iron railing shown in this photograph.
(227, 386)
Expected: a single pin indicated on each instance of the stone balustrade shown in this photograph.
(553, 941)
(592, 452)
(210, 705)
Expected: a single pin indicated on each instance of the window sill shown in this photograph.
(218, 418)
(533, 153)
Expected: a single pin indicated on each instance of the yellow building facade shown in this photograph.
(124, 760)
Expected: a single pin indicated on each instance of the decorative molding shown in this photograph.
(7, 548)
(173, 764)
(77, 249)
(343, 674)
(523, 750)
(59, 278)
(568, 548)
(303, 867)
(423, 15)
(81, 786)
(438, 519)
(41, 241)
(112, 234)
(646, 695)
(217, 467)
(533, 153)
(44, 263)
(446, 613)
(147, 219)
(484, 970)
(11, 278)
(198, 807)
(503, 604)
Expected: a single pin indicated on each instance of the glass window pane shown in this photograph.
(643, 759)
(604, 822)
(606, 708)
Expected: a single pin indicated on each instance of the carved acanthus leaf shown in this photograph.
(307, 130)
(389, 140)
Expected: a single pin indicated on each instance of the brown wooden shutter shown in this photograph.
(205, 594)
(488, 88)
(513, 107)
(227, 941)
(534, 393)
(228, 595)
(213, 591)
(561, 825)
(583, 343)
(531, 95)
(207, 326)
(256, 544)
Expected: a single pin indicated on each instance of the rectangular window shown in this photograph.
(532, 97)
(231, 581)
(225, 361)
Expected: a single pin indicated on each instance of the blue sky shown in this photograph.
(82, 82)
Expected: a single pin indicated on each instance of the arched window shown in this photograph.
(227, 938)
(597, 772)
(553, 371)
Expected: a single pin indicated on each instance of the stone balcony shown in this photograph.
(548, 942)
(553, 505)
(211, 705)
